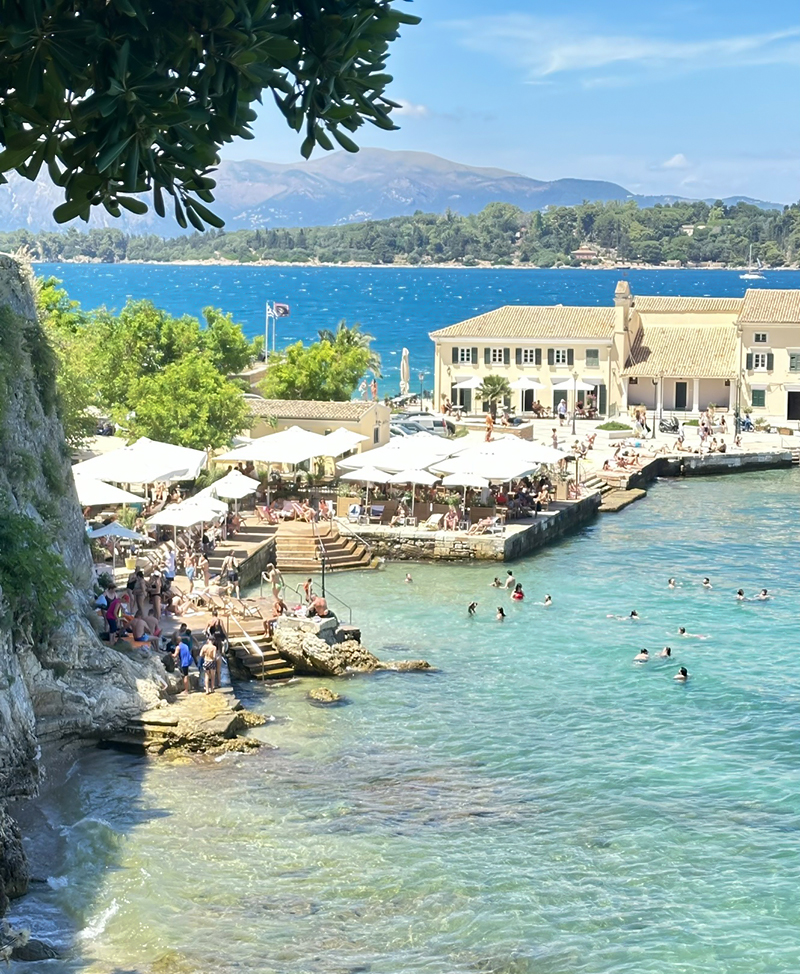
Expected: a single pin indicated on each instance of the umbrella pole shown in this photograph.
(268, 479)
(413, 497)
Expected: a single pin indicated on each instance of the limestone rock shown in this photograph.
(312, 656)
(323, 696)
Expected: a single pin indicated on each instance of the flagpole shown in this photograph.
(267, 313)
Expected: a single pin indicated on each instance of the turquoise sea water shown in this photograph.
(399, 306)
(540, 805)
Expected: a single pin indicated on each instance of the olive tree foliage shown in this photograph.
(118, 98)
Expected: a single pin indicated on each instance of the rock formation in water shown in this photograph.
(57, 679)
(312, 656)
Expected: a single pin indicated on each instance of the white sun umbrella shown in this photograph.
(526, 382)
(464, 480)
(341, 441)
(293, 445)
(567, 385)
(472, 383)
(365, 475)
(117, 530)
(144, 462)
(405, 373)
(414, 477)
(95, 493)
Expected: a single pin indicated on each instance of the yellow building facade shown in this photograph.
(669, 354)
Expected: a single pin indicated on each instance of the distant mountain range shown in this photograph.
(337, 188)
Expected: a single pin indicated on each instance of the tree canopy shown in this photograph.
(126, 97)
(683, 233)
(155, 374)
(324, 370)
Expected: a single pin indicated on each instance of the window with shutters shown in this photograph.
(760, 338)
(529, 356)
(562, 356)
(592, 358)
(759, 398)
(760, 361)
(794, 361)
(465, 355)
(496, 356)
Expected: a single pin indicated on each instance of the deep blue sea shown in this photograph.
(399, 306)
(539, 805)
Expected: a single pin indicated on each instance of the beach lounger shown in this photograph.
(433, 523)
(376, 512)
(354, 513)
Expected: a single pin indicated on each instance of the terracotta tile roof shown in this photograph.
(535, 321)
(664, 304)
(769, 306)
(683, 351)
(309, 409)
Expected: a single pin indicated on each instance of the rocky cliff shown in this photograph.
(57, 679)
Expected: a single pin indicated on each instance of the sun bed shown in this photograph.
(433, 523)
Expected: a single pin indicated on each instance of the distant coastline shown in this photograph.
(445, 265)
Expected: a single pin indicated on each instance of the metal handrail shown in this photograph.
(328, 595)
(248, 639)
(349, 530)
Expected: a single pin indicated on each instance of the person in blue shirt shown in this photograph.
(183, 657)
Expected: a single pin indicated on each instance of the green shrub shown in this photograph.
(612, 425)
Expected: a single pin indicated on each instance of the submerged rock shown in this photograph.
(322, 696)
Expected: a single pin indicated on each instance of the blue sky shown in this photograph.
(692, 98)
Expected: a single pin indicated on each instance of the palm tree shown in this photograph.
(495, 389)
(351, 336)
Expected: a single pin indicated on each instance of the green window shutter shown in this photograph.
(518, 356)
(770, 361)
(551, 356)
(506, 356)
(474, 356)
(793, 360)
(759, 398)
(748, 362)
(455, 356)
(538, 356)
(487, 356)
(570, 357)
(484, 406)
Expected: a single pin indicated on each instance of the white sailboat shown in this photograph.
(752, 275)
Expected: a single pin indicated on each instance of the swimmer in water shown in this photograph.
(681, 675)
(707, 582)
(671, 583)
(634, 615)
(740, 596)
(763, 595)
(518, 595)
(472, 607)
(496, 583)
(665, 653)
(500, 613)
(642, 657)
(547, 600)
(689, 635)
(409, 578)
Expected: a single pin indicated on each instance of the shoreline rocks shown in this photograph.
(311, 655)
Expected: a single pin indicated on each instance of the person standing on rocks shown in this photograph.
(208, 659)
(183, 657)
(140, 594)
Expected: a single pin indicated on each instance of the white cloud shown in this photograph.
(678, 161)
(551, 46)
(408, 108)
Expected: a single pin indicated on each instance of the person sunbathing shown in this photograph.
(399, 515)
(451, 520)
(481, 526)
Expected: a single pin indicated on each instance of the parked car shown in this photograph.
(432, 422)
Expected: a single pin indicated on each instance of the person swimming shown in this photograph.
(500, 613)
(547, 600)
(518, 595)
(634, 614)
(763, 595)
(689, 635)
(496, 583)
(472, 607)
(681, 675)
(740, 596)
(641, 657)
(665, 653)
(707, 582)
(671, 583)
(409, 578)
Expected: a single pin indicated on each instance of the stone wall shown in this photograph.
(251, 568)
(547, 530)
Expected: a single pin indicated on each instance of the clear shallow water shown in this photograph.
(540, 805)
(399, 306)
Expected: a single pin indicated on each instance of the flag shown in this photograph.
(281, 310)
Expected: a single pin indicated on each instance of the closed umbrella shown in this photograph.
(405, 373)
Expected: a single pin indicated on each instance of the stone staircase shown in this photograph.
(252, 535)
(245, 661)
(598, 484)
(298, 549)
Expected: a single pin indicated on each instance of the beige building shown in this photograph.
(669, 354)
(370, 419)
